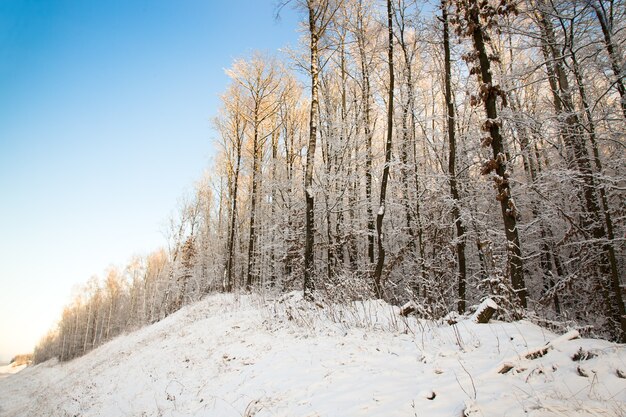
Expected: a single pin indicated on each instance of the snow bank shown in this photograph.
(233, 355)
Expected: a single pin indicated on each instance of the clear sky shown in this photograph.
(105, 110)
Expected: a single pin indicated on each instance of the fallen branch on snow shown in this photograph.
(539, 351)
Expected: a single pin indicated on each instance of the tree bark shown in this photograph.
(383, 184)
(619, 313)
(366, 97)
(573, 137)
(251, 277)
(612, 52)
(489, 94)
(314, 32)
(454, 191)
(233, 218)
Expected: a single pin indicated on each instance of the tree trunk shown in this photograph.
(573, 136)
(499, 162)
(619, 313)
(408, 135)
(251, 275)
(383, 184)
(454, 192)
(309, 286)
(613, 54)
(233, 219)
(366, 97)
(273, 272)
(87, 327)
(340, 178)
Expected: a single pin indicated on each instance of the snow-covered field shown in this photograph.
(234, 355)
(10, 369)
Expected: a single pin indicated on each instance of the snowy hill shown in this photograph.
(231, 355)
(10, 369)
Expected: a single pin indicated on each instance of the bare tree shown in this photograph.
(454, 190)
(261, 78)
(320, 16)
(473, 18)
(383, 183)
(232, 126)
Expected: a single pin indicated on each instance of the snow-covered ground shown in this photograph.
(234, 355)
(10, 369)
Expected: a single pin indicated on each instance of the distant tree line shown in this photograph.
(439, 153)
(23, 359)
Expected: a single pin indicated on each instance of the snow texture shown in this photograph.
(10, 369)
(235, 355)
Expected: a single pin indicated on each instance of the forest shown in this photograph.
(433, 153)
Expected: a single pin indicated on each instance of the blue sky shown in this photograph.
(105, 110)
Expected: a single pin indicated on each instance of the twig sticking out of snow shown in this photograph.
(583, 355)
(582, 372)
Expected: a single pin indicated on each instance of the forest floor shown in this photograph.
(240, 355)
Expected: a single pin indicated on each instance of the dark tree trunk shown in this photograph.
(613, 55)
(366, 93)
(409, 143)
(233, 219)
(619, 313)
(383, 184)
(454, 191)
(274, 275)
(489, 94)
(408, 134)
(251, 277)
(573, 137)
(340, 181)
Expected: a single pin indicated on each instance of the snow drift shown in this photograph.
(235, 355)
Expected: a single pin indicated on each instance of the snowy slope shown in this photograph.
(233, 355)
(10, 369)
